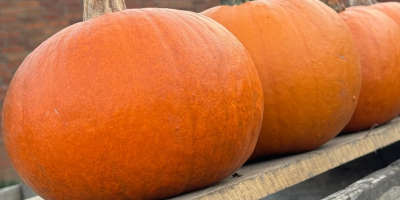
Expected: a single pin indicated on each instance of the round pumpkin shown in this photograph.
(378, 40)
(137, 104)
(309, 68)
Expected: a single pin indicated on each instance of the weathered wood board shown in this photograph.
(383, 184)
(35, 198)
(11, 193)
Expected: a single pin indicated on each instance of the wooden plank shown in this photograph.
(11, 193)
(259, 180)
(338, 178)
(35, 198)
(383, 184)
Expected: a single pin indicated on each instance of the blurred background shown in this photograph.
(24, 24)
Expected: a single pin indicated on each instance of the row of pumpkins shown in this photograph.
(151, 103)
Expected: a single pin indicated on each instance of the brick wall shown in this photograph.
(24, 24)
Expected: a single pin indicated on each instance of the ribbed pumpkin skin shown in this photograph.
(378, 40)
(308, 65)
(392, 9)
(139, 104)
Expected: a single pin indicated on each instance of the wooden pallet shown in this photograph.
(261, 179)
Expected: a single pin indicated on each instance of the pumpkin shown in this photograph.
(309, 68)
(136, 104)
(392, 9)
(378, 40)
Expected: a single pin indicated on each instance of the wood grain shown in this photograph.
(383, 184)
(35, 198)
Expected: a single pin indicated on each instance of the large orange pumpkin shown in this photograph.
(378, 40)
(309, 68)
(137, 104)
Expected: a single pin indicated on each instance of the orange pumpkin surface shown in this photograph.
(378, 40)
(392, 9)
(309, 68)
(138, 104)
